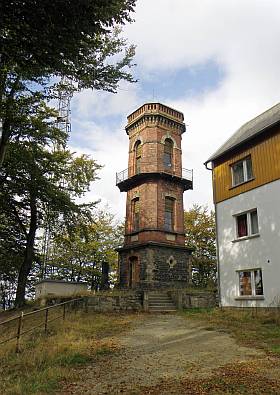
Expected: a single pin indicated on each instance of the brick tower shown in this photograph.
(154, 253)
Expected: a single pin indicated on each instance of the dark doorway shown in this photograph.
(133, 272)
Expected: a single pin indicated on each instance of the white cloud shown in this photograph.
(242, 37)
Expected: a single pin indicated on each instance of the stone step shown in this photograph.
(162, 310)
(161, 302)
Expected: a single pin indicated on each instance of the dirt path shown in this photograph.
(160, 348)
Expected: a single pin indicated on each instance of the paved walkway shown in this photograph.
(158, 348)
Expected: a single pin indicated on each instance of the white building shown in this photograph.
(55, 288)
(246, 185)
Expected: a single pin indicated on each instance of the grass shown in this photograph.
(47, 360)
(260, 329)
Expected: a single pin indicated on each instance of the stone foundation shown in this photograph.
(155, 265)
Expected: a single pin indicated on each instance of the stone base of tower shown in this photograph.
(154, 265)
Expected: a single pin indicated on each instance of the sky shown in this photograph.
(217, 61)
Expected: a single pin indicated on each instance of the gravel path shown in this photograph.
(158, 348)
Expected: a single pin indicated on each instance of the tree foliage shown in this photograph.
(39, 180)
(201, 237)
(43, 40)
(83, 251)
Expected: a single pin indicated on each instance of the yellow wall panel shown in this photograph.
(266, 168)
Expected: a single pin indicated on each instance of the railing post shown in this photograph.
(86, 304)
(46, 320)
(19, 331)
(64, 312)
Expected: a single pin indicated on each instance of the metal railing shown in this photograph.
(124, 175)
(18, 326)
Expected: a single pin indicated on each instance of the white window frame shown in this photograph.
(249, 224)
(253, 283)
(245, 171)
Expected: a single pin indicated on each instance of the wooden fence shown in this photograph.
(14, 328)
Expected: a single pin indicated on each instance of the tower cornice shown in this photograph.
(156, 114)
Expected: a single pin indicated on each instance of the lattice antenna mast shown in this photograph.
(64, 100)
(64, 124)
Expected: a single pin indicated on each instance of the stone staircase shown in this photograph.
(160, 302)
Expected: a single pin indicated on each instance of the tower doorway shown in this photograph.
(133, 272)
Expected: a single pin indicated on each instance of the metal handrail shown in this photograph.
(44, 323)
(125, 174)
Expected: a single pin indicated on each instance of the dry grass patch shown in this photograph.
(255, 328)
(46, 360)
(239, 378)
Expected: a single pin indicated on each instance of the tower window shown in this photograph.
(138, 156)
(169, 214)
(135, 214)
(167, 154)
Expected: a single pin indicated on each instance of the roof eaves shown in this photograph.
(216, 156)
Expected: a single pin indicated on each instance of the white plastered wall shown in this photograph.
(58, 289)
(260, 252)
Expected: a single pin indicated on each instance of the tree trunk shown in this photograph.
(28, 254)
(3, 296)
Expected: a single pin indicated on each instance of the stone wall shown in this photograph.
(186, 299)
(159, 266)
(131, 301)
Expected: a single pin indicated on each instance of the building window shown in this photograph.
(247, 224)
(250, 283)
(138, 156)
(169, 214)
(242, 171)
(135, 206)
(167, 154)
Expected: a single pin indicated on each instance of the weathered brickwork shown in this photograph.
(152, 209)
(154, 253)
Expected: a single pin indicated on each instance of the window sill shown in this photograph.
(248, 297)
(246, 238)
(242, 183)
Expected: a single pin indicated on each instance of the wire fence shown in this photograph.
(14, 328)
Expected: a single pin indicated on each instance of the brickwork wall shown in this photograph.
(152, 139)
(152, 211)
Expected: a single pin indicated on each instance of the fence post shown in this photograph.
(86, 304)
(46, 320)
(19, 331)
(64, 312)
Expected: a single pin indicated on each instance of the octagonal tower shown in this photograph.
(154, 253)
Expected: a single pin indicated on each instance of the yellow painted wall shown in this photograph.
(266, 168)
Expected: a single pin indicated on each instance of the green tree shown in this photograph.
(43, 40)
(201, 237)
(84, 250)
(37, 179)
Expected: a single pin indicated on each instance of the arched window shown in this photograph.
(135, 211)
(138, 156)
(169, 214)
(167, 154)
